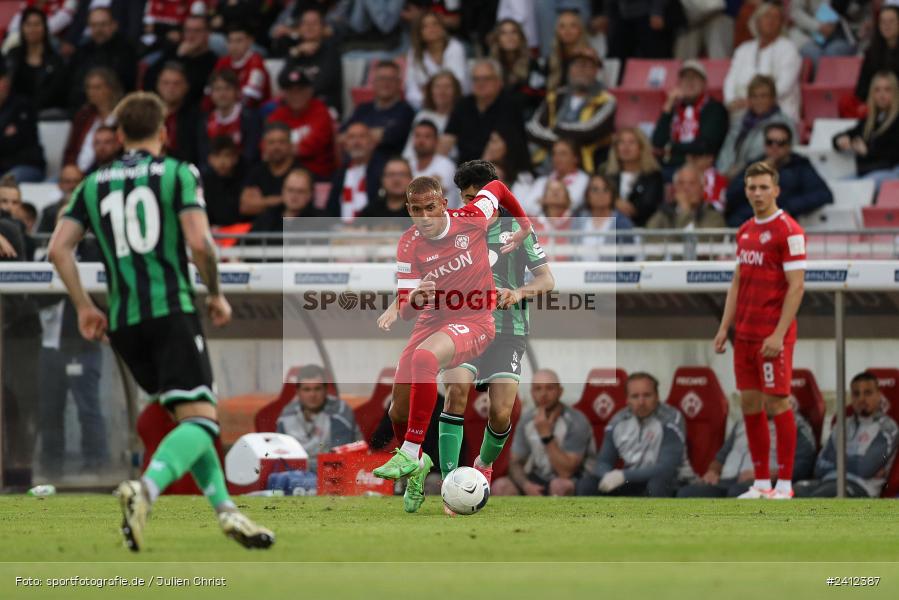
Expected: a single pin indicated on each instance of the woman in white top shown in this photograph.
(432, 51)
(565, 169)
(440, 95)
(770, 53)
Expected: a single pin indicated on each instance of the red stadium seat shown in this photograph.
(153, 424)
(649, 74)
(878, 216)
(636, 106)
(809, 401)
(835, 78)
(604, 395)
(267, 417)
(838, 71)
(716, 71)
(476, 413)
(369, 414)
(888, 196)
(697, 393)
(361, 95)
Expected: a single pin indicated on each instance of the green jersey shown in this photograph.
(509, 270)
(132, 206)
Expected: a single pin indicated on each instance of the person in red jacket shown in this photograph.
(310, 122)
(255, 88)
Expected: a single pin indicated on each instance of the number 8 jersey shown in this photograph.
(132, 207)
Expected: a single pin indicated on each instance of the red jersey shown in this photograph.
(766, 249)
(172, 12)
(255, 87)
(312, 135)
(228, 125)
(714, 186)
(457, 261)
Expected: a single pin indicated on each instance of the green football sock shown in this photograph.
(493, 444)
(449, 441)
(177, 452)
(207, 472)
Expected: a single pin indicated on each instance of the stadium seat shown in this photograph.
(823, 131)
(838, 71)
(716, 70)
(829, 163)
(476, 412)
(649, 74)
(40, 195)
(604, 395)
(888, 196)
(267, 417)
(8, 9)
(809, 401)
(697, 393)
(611, 71)
(821, 101)
(637, 106)
(831, 217)
(854, 193)
(369, 414)
(880, 216)
(274, 66)
(53, 136)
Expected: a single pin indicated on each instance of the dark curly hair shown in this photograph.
(477, 173)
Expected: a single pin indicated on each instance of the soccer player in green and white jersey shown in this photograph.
(144, 209)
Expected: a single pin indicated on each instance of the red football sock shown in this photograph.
(759, 443)
(424, 394)
(399, 430)
(785, 428)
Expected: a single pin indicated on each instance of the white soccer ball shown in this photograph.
(465, 491)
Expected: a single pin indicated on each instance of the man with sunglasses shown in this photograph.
(802, 190)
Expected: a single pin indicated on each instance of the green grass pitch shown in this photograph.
(516, 548)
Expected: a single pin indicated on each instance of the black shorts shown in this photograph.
(167, 357)
(501, 359)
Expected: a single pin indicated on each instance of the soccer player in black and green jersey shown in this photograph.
(144, 209)
(498, 369)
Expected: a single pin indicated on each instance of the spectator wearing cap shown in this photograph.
(21, 153)
(229, 117)
(388, 116)
(182, 118)
(583, 111)
(106, 47)
(690, 117)
(770, 53)
(319, 56)
(193, 52)
(255, 88)
(310, 122)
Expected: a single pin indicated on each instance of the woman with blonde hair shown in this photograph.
(875, 139)
(103, 91)
(570, 36)
(523, 76)
(636, 175)
(432, 50)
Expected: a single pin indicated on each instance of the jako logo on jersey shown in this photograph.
(461, 242)
(691, 404)
(432, 258)
(456, 264)
(765, 237)
(751, 257)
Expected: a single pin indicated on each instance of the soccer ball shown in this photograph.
(465, 491)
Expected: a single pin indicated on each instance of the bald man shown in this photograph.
(550, 444)
(689, 209)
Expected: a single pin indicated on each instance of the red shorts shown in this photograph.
(753, 371)
(470, 338)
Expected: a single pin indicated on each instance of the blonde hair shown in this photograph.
(648, 162)
(418, 44)
(871, 127)
(556, 70)
(762, 168)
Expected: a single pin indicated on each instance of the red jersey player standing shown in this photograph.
(444, 280)
(762, 302)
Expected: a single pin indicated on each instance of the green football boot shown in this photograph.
(415, 487)
(400, 465)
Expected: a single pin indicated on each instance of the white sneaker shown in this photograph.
(755, 493)
(779, 495)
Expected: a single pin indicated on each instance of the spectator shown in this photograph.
(389, 206)
(319, 57)
(29, 217)
(21, 154)
(873, 140)
(714, 184)
(318, 420)
(486, 110)
(182, 119)
(37, 70)
(746, 138)
(107, 146)
(819, 30)
(448, 11)
(163, 20)
(222, 177)
(708, 29)
(598, 215)
(298, 196)
(106, 47)
(883, 54)
(689, 209)
(57, 15)
(802, 190)
(230, 118)
(358, 179)
(871, 439)
(689, 118)
(524, 14)
(193, 53)
(637, 175)
(648, 438)
(69, 178)
(551, 441)
(388, 116)
(255, 88)
(520, 181)
(554, 208)
(440, 96)
(524, 79)
(264, 181)
(768, 54)
(570, 37)
(731, 473)
(426, 161)
(640, 28)
(310, 123)
(583, 112)
(565, 169)
(432, 51)
(374, 24)
(103, 92)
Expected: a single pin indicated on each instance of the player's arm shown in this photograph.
(520, 478)
(730, 311)
(565, 464)
(91, 321)
(773, 344)
(490, 198)
(542, 283)
(195, 226)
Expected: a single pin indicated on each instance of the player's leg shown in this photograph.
(502, 392)
(450, 428)
(752, 403)
(399, 410)
(777, 373)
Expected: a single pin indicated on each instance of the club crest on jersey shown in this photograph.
(462, 242)
(504, 237)
(765, 237)
(745, 236)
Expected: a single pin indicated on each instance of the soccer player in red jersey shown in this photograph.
(762, 302)
(445, 282)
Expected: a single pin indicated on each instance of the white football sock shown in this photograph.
(412, 450)
(762, 484)
(151, 487)
(784, 487)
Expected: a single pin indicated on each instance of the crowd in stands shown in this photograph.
(256, 91)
